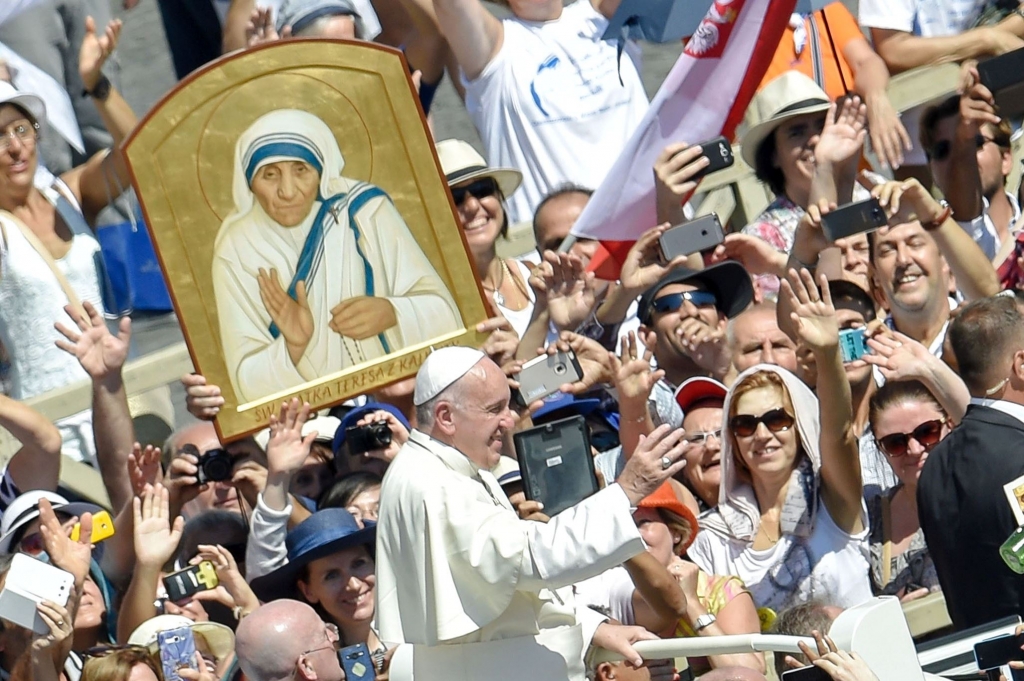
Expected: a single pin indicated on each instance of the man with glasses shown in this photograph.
(969, 156)
(963, 509)
(701, 400)
(286, 639)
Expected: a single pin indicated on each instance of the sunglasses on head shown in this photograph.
(776, 420)
(480, 189)
(942, 149)
(927, 435)
(674, 301)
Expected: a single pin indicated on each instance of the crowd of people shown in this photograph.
(751, 477)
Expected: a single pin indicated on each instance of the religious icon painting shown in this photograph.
(303, 225)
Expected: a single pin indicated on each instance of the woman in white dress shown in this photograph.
(314, 272)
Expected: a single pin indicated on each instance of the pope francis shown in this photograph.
(480, 593)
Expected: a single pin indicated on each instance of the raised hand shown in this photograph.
(977, 105)
(658, 457)
(842, 139)
(59, 622)
(363, 317)
(707, 346)
(755, 254)
(889, 138)
(287, 450)
(202, 401)
(907, 201)
(633, 375)
(593, 359)
(72, 556)
(144, 468)
(571, 293)
(674, 172)
(502, 341)
(814, 317)
(643, 266)
(844, 666)
(899, 357)
(293, 317)
(156, 538)
(101, 354)
(260, 28)
(232, 583)
(95, 50)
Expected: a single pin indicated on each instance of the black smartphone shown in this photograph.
(853, 218)
(543, 375)
(357, 663)
(556, 463)
(995, 652)
(719, 153)
(695, 236)
(1004, 77)
(193, 579)
(809, 673)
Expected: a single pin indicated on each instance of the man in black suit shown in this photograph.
(964, 513)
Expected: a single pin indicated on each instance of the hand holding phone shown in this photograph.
(29, 582)
(357, 663)
(995, 652)
(182, 584)
(102, 528)
(695, 236)
(853, 218)
(542, 376)
(718, 152)
(177, 650)
(852, 345)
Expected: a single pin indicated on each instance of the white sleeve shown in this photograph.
(896, 15)
(265, 550)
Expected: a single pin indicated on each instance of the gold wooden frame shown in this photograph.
(181, 158)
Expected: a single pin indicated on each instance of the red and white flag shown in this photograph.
(704, 95)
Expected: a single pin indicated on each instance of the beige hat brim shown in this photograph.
(508, 179)
(753, 138)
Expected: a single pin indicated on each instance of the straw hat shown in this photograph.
(790, 95)
(219, 638)
(461, 162)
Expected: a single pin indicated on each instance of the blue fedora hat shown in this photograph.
(354, 416)
(324, 533)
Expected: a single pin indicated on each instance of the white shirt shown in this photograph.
(830, 566)
(611, 591)
(550, 103)
(1009, 408)
(983, 230)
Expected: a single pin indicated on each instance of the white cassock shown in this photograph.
(257, 362)
(483, 594)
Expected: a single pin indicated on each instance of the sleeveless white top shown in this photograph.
(31, 302)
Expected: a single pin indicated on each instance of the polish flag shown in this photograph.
(704, 95)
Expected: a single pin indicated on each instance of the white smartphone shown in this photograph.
(29, 582)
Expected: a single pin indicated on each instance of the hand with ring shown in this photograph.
(656, 458)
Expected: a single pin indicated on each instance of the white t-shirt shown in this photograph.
(830, 566)
(550, 103)
(925, 18)
(983, 230)
(611, 593)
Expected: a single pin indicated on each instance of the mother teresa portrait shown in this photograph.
(313, 272)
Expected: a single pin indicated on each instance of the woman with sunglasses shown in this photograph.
(790, 520)
(908, 422)
(479, 195)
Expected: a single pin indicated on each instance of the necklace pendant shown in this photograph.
(499, 299)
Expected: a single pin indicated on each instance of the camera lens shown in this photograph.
(216, 465)
(560, 369)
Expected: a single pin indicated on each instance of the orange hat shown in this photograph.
(665, 498)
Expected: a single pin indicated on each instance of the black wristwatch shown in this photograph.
(100, 91)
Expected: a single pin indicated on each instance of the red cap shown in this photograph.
(699, 388)
(664, 497)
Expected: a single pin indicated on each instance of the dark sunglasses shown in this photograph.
(776, 420)
(480, 189)
(674, 301)
(927, 435)
(942, 149)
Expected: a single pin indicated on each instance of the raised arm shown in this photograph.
(889, 139)
(95, 183)
(37, 464)
(473, 33)
(102, 355)
(901, 358)
(903, 51)
(814, 320)
(977, 107)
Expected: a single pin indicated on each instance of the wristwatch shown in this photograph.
(99, 91)
(703, 622)
(946, 213)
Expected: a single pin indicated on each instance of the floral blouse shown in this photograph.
(776, 225)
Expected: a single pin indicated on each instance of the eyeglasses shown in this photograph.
(776, 420)
(941, 150)
(333, 637)
(928, 434)
(700, 439)
(480, 189)
(674, 301)
(24, 131)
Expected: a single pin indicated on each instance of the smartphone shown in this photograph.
(541, 377)
(995, 652)
(852, 345)
(193, 579)
(30, 581)
(719, 152)
(809, 673)
(357, 663)
(696, 236)
(177, 650)
(557, 464)
(1004, 77)
(853, 218)
(102, 528)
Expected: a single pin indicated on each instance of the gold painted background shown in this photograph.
(182, 156)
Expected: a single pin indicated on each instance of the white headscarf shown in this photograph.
(283, 135)
(737, 514)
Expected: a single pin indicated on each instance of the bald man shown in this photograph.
(285, 638)
(481, 593)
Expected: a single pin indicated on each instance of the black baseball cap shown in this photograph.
(727, 280)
